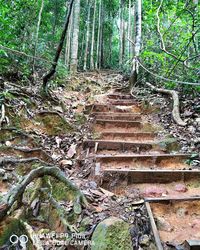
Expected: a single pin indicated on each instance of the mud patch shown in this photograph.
(177, 221)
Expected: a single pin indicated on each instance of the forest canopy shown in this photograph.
(101, 34)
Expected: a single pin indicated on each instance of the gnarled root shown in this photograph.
(176, 105)
(16, 192)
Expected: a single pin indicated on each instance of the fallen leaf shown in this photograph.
(98, 209)
(96, 192)
(66, 162)
(58, 141)
(106, 192)
(72, 151)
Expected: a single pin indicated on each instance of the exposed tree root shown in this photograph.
(3, 118)
(34, 152)
(176, 105)
(16, 192)
(12, 160)
(34, 238)
(61, 213)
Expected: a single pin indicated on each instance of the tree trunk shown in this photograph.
(55, 15)
(87, 37)
(68, 44)
(120, 33)
(129, 28)
(93, 37)
(37, 34)
(110, 49)
(98, 36)
(58, 51)
(101, 46)
(138, 37)
(75, 31)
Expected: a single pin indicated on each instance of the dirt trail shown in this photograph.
(134, 158)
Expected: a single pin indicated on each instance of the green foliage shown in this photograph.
(178, 23)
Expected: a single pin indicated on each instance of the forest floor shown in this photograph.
(35, 133)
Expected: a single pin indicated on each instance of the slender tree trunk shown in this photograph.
(37, 34)
(68, 44)
(129, 28)
(110, 49)
(74, 48)
(133, 29)
(98, 36)
(123, 38)
(55, 18)
(120, 33)
(87, 37)
(138, 37)
(101, 46)
(52, 71)
(82, 46)
(93, 37)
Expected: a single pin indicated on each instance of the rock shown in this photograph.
(181, 212)
(181, 188)
(144, 240)
(72, 151)
(152, 247)
(163, 225)
(92, 184)
(155, 191)
(198, 120)
(2, 172)
(64, 163)
(112, 233)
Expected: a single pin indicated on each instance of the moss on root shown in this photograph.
(61, 192)
(9, 227)
(48, 123)
(54, 124)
